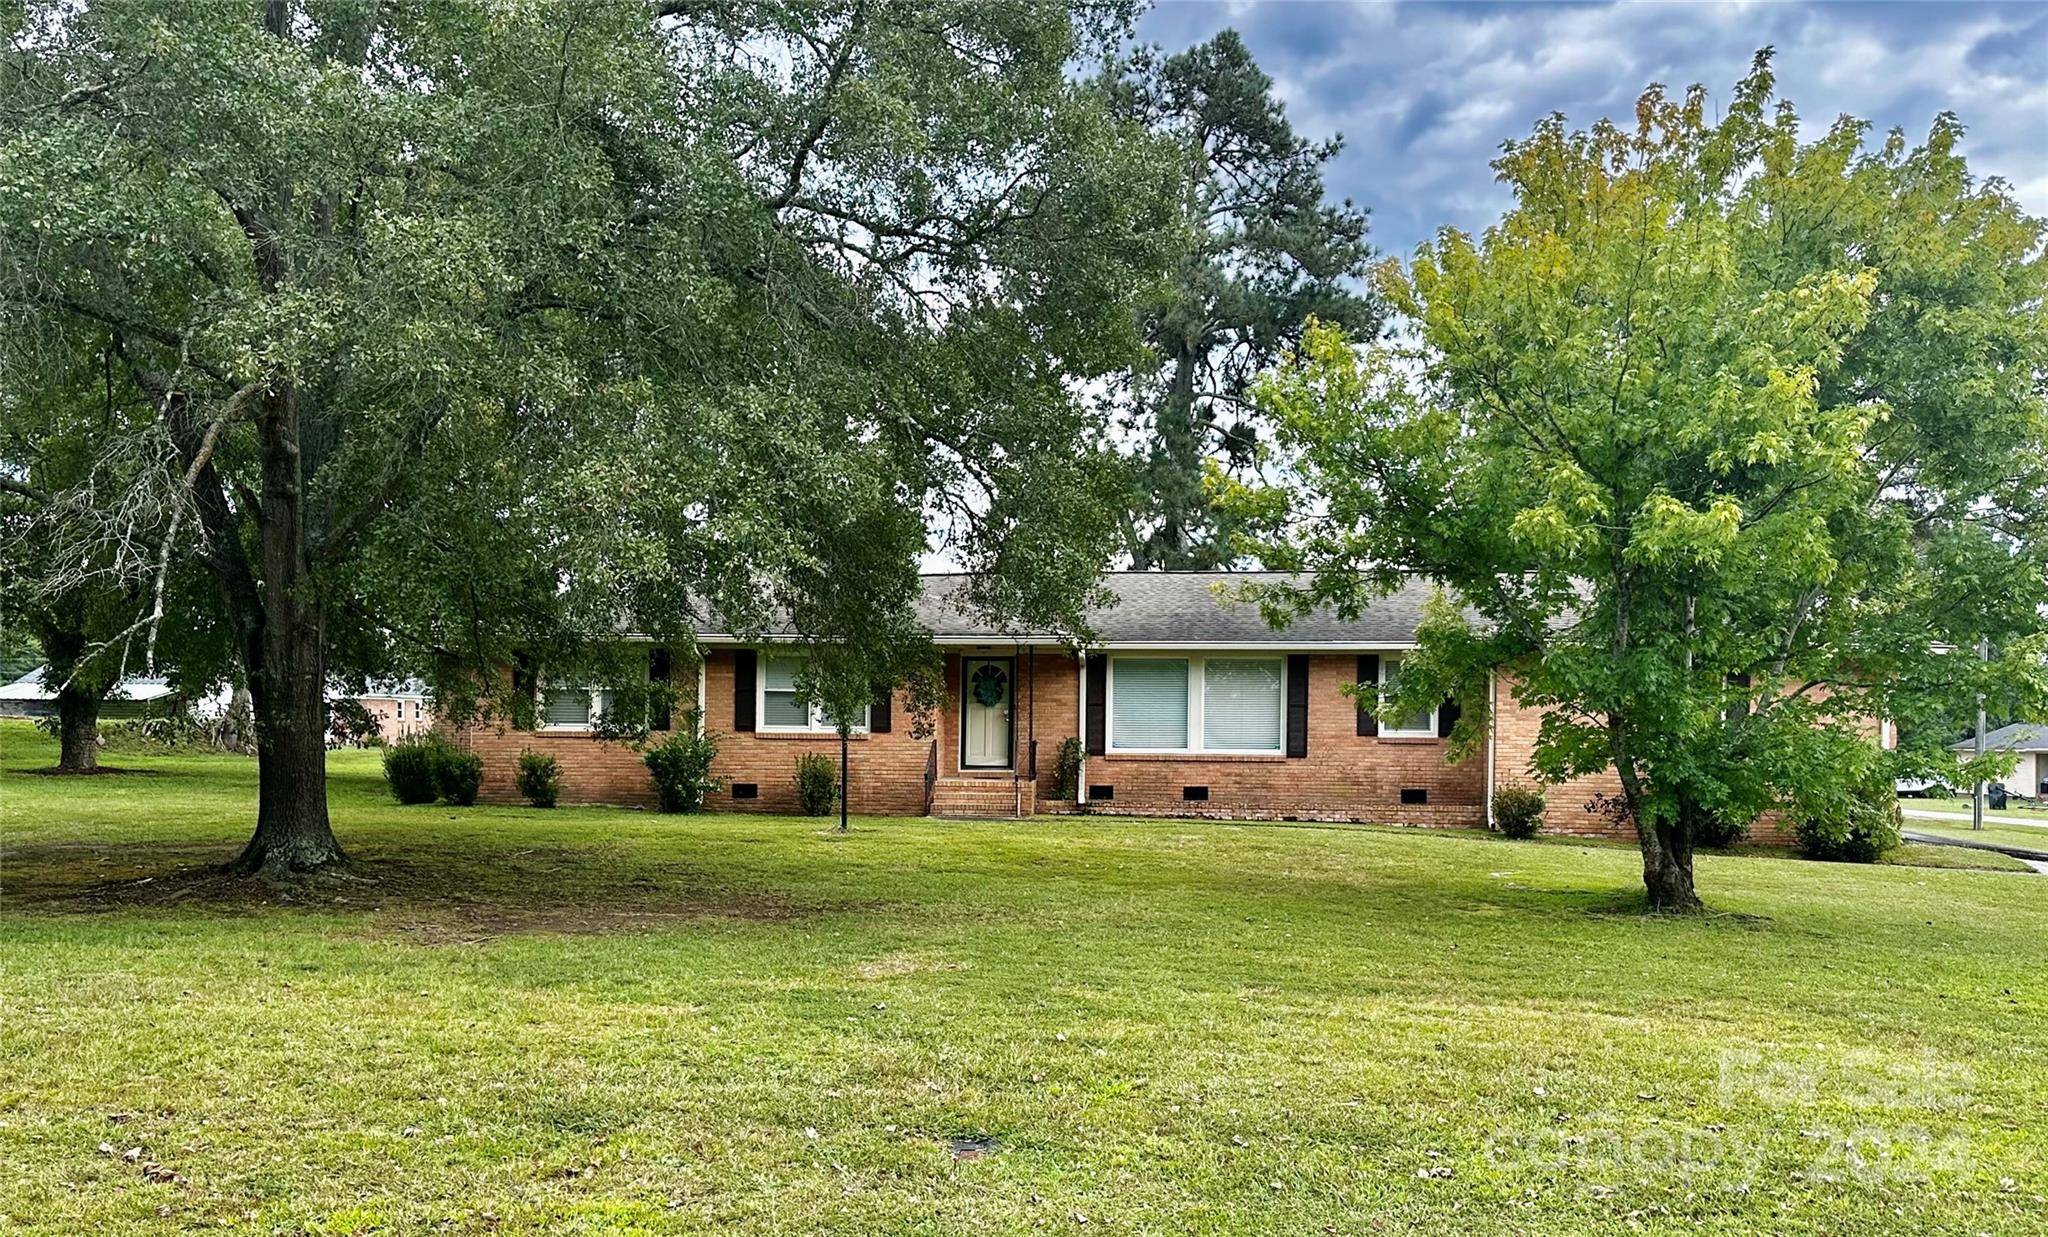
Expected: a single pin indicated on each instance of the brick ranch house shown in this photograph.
(1187, 703)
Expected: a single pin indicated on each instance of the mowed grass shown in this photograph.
(2003, 835)
(597, 1021)
(2024, 809)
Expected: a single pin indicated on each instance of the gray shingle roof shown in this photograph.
(2018, 737)
(1193, 609)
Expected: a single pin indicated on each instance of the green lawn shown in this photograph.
(1961, 807)
(2004, 835)
(595, 1021)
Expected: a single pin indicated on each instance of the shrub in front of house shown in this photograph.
(458, 774)
(1861, 828)
(1066, 770)
(1518, 811)
(681, 767)
(409, 769)
(817, 783)
(539, 778)
(1718, 831)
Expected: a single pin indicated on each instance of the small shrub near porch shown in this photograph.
(817, 783)
(681, 767)
(1518, 811)
(539, 778)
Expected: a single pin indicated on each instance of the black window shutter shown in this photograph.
(1369, 693)
(743, 690)
(1447, 715)
(879, 713)
(1297, 705)
(657, 672)
(525, 684)
(1098, 702)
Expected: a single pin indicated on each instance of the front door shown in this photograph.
(987, 686)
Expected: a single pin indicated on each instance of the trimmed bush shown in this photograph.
(1518, 811)
(409, 769)
(458, 774)
(1861, 829)
(1066, 770)
(539, 778)
(817, 783)
(681, 767)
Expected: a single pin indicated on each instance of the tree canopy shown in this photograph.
(441, 332)
(1725, 444)
(1260, 252)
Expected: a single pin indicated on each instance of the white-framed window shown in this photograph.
(1229, 704)
(1415, 725)
(779, 709)
(565, 708)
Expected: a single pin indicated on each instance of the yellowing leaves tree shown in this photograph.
(1718, 441)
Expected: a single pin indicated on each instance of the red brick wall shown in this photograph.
(885, 772)
(1345, 776)
(1565, 804)
(592, 772)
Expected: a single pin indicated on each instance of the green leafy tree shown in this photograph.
(1261, 252)
(1719, 443)
(74, 599)
(448, 332)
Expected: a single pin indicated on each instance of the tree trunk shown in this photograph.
(78, 730)
(1667, 867)
(1666, 845)
(283, 638)
(292, 830)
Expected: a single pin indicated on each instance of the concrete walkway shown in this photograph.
(1990, 818)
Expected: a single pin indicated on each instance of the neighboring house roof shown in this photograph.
(30, 686)
(2018, 737)
(1179, 609)
(386, 689)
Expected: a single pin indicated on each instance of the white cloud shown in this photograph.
(1426, 94)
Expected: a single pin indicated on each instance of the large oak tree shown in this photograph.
(447, 331)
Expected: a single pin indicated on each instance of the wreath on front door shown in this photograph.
(989, 684)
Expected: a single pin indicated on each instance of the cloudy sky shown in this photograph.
(1425, 93)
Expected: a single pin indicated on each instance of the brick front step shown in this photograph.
(984, 797)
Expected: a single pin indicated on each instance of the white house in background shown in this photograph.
(31, 696)
(2030, 740)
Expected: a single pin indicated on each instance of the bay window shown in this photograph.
(1219, 704)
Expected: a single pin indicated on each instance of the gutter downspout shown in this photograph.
(1492, 738)
(1081, 726)
(702, 709)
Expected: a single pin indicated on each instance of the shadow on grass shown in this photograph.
(434, 895)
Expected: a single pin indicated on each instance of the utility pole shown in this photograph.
(1977, 800)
